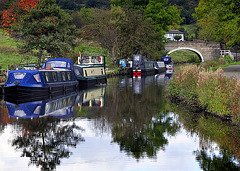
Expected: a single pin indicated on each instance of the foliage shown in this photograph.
(187, 9)
(190, 31)
(184, 56)
(182, 86)
(219, 21)
(83, 17)
(161, 15)
(15, 11)
(177, 37)
(46, 28)
(210, 90)
(125, 32)
(78, 4)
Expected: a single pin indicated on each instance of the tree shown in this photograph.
(15, 12)
(46, 28)
(161, 15)
(219, 21)
(177, 37)
(126, 32)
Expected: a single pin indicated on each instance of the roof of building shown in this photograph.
(174, 32)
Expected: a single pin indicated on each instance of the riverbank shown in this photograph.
(211, 91)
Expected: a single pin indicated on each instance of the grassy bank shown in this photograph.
(209, 90)
(8, 51)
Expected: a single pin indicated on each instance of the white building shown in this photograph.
(170, 35)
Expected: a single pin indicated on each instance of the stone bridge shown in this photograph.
(205, 50)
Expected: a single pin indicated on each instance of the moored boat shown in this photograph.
(141, 67)
(90, 71)
(168, 63)
(55, 78)
(159, 67)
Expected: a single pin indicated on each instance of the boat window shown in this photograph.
(85, 59)
(86, 73)
(64, 76)
(64, 103)
(47, 76)
(68, 65)
(53, 64)
(102, 71)
(69, 76)
(54, 76)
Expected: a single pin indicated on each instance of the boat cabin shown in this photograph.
(91, 60)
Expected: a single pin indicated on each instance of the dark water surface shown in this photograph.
(128, 125)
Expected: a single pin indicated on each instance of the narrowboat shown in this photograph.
(168, 63)
(90, 71)
(58, 107)
(159, 67)
(55, 78)
(141, 67)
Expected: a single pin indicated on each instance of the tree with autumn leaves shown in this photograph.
(14, 13)
(44, 27)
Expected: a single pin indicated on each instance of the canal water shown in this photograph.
(128, 125)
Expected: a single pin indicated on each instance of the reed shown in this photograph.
(210, 90)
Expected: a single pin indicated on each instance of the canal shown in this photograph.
(128, 125)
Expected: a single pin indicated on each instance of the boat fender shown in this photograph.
(99, 59)
(16, 82)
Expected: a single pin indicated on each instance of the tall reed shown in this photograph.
(208, 89)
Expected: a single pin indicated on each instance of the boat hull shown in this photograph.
(20, 94)
(91, 82)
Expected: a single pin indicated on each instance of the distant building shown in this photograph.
(170, 35)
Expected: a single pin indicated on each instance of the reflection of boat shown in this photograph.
(94, 97)
(138, 85)
(60, 107)
(55, 78)
(91, 71)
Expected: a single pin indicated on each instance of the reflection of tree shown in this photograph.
(131, 118)
(45, 141)
(211, 130)
(223, 161)
(147, 140)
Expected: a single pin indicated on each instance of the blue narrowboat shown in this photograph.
(90, 71)
(141, 67)
(55, 78)
(168, 63)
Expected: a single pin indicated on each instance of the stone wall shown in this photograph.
(207, 50)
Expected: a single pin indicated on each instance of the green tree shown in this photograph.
(162, 15)
(126, 32)
(219, 21)
(177, 37)
(46, 28)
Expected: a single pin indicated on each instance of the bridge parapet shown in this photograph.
(205, 50)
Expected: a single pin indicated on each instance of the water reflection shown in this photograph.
(127, 125)
(219, 140)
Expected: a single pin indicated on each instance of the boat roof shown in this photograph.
(58, 63)
(61, 59)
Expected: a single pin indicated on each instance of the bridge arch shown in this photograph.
(187, 48)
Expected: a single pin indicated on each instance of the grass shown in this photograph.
(8, 51)
(184, 56)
